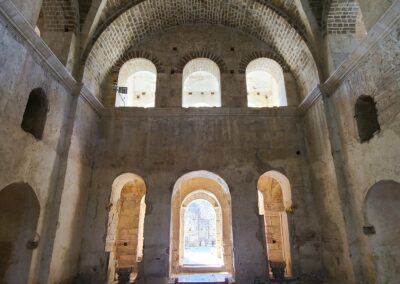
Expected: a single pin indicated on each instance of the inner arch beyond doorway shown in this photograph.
(207, 186)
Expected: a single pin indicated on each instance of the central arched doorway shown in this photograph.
(201, 228)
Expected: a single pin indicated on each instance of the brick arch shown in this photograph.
(244, 62)
(286, 9)
(201, 54)
(253, 18)
(132, 54)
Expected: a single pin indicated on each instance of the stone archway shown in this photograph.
(382, 216)
(211, 187)
(125, 225)
(275, 200)
(19, 214)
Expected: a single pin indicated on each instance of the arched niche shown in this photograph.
(201, 84)
(208, 186)
(125, 228)
(19, 214)
(137, 84)
(382, 216)
(265, 84)
(35, 114)
(366, 116)
(274, 201)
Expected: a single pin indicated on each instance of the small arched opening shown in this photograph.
(382, 217)
(201, 84)
(137, 84)
(125, 226)
(366, 116)
(201, 228)
(19, 214)
(35, 115)
(265, 84)
(274, 200)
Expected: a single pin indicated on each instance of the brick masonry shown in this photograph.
(152, 16)
(59, 15)
(342, 16)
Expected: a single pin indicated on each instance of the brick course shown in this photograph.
(153, 16)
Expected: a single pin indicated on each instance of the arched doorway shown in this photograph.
(209, 194)
(125, 226)
(19, 214)
(382, 216)
(274, 196)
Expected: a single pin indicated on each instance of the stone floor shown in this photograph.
(203, 278)
(204, 256)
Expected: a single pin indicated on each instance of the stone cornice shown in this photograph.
(380, 30)
(28, 34)
(19, 24)
(129, 112)
(310, 99)
(91, 100)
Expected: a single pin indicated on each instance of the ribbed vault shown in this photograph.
(152, 16)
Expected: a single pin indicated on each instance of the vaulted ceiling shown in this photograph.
(111, 27)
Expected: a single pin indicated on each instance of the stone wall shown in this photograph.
(161, 145)
(364, 164)
(57, 167)
(344, 169)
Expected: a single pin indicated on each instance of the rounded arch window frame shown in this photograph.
(275, 70)
(206, 65)
(127, 71)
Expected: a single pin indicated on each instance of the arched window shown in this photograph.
(382, 217)
(35, 114)
(125, 226)
(366, 116)
(201, 84)
(19, 215)
(265, 84)
(201, 227)
(137, 84)
(274, 200)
